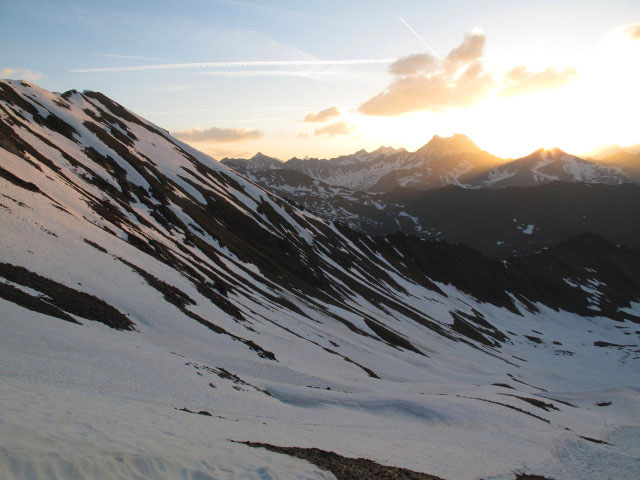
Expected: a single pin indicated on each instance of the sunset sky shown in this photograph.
(323, 78)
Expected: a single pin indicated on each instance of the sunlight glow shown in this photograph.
(598, 108)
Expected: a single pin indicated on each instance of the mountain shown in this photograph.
(443, 161)
(519, 220)
(608, 150)
(519, 207)
(544, 166)
(440, 162)
(259, 162)
(157, 308)
(496, 221)
(629, 163)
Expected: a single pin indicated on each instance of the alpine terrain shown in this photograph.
(164, 315)
(452, 190)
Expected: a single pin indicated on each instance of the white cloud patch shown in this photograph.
(520, 81)
(21, 74)
(471, 48)
(217, 134)
(335, 129)
(322, 115)
(424, 83)
(412, 64)
(633, 31)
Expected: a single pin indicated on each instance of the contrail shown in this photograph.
(251, 64)
(419, 37)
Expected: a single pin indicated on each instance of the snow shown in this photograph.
(87, 401)
(528, 230)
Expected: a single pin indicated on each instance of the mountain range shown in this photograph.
(160, 310)
(452, 190)
(454, 160)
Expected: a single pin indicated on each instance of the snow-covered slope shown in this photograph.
(442, 161)
(629, 162)
(544, 166)
(140, 281)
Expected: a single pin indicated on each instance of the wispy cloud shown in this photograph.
(520, 81)
(175, 112)
(412, 64)
(271, 73)
(132, 57)
(425, 83)
(322, 115)
(236, 65)
(633, 31)
(335, 129)
(222, 153)
(21, 74)
(252, 120)
(272, 9)
(459, 80)
(217, 134)
(284, 107)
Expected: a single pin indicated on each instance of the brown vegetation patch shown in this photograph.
(63, 298)
(346, 468)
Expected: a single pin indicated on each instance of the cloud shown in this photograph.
(303, 135)
(314, 75)
(175, 112)
(634, 31)
(322, 115)
(219, 153)
(425, 83)
(236, 65)
(21, 74)
(335, 129)
(520, 81)
(278, 11)
(412, 64)
(217, 134)
(471, 48)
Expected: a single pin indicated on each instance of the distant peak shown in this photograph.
(261, 156)
(387, 150)
(457, 143)
(553, 152)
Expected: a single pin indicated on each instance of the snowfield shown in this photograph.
(156, 308)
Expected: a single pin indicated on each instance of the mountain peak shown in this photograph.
(262, 157)
(387, 150)
(457, 143)
(550, 153)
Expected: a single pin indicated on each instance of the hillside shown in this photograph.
(158, 306)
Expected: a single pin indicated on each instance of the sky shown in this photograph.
(326, 78)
